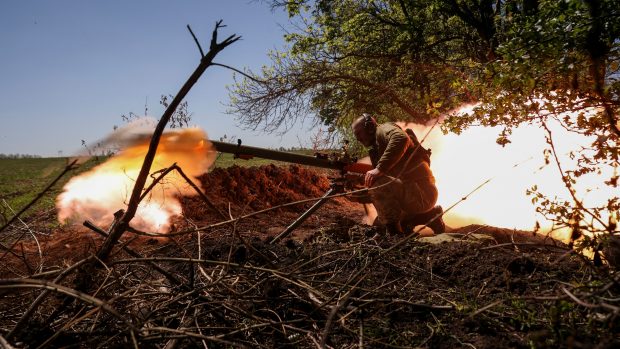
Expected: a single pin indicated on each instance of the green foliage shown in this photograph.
(351, 57)
(410, 60)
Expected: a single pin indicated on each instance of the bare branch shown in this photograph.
(32, 283)
(202, 54)
(119, 228)
(239, 71)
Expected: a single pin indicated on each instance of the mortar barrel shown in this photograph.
(244, 150)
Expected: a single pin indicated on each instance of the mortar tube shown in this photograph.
(240, 151)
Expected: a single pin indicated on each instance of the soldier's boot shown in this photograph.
(394, 228)
(437, 225)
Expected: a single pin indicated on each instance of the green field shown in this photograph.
(22, 179)
(226, 160)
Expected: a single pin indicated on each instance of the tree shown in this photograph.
(355, 56)
(523, 61)
(121, 223)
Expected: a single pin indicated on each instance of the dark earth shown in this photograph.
(334, 283)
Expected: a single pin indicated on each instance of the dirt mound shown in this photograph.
(264, 186)
(257, 188)
(242, 190)
(503, 235)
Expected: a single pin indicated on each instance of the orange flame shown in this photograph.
(95, 195)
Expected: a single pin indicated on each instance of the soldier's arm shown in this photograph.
(396, 147)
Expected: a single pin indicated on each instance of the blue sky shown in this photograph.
(70, 68)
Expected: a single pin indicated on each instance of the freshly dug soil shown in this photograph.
(242, 190)
(265, 186)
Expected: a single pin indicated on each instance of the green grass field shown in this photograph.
(226, 160)
(22, 179)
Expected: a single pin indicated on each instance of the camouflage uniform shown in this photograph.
(415, 193)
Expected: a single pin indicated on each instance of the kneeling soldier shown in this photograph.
(410, 199)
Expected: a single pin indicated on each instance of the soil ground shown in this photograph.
(333, 282)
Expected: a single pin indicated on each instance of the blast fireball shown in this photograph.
(98, 193)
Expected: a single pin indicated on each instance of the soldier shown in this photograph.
(407, 193)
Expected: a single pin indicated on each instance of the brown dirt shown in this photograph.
(502, 292)
(242, 190)
(265, 186)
